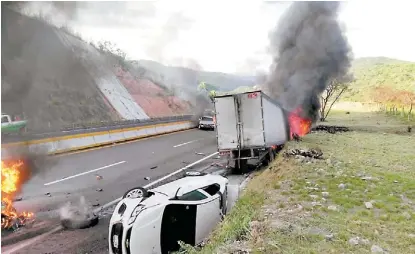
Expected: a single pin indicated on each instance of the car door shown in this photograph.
(208, 215)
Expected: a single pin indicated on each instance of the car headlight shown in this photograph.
(137, 210)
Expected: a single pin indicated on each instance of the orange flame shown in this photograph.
(10, 185)
(298, 125)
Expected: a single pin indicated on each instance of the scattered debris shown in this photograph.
(47, 193)
(185, 162)
(395, 181)
(99, 177)
(77, 216)
(199, 153)
(311, 153)
(330, 129)
(154, 167)
(95, 205)
(99, 189)
(147, 178)
(18, 199)
(217, 157)
(409, 128)
(296, 137)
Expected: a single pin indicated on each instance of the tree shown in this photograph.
(331, 95)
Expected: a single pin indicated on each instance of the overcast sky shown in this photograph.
(232, 36)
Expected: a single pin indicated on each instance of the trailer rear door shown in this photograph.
(226, 123)
(251, 118)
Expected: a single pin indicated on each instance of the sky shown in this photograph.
(232, 36)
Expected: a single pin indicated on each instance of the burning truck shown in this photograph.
(251, 125)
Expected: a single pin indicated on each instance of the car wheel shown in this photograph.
(194, 173)
(137, 192)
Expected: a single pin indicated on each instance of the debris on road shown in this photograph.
(200, 153)
(99, 177)
(47, 193)
(77, 216)
(99, 190)
(147, 178)
(154, 167)
(330, 129)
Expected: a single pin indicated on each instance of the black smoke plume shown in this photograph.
(308, 49)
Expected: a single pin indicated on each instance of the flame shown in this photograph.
(298, 125)
(10, 185)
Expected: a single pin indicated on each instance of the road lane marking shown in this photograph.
(84, 173)
(186, 143)
(157, 181)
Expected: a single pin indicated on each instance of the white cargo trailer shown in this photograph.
(249, 126)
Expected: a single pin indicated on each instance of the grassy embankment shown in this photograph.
(359, 198)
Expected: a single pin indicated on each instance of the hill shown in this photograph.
(379, 71)
(171, 75)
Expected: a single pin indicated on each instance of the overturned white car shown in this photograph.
(153, 221)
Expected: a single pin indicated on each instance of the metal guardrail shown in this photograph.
(91, 127)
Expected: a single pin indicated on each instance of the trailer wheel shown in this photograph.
(241, 167)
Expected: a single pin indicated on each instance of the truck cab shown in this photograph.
(9, 126)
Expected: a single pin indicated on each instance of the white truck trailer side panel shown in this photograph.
(226, 123)
(275, 123)
(251, 119)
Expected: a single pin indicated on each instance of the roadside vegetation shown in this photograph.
(359, 199)
(389, 83)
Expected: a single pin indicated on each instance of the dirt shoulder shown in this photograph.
(358, 198)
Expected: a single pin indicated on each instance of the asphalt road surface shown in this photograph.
(101, 176)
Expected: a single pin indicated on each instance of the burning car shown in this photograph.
(153, 221)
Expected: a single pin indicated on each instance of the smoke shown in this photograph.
(78, 215)
(308, 49)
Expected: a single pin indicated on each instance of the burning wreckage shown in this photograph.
(12, 179)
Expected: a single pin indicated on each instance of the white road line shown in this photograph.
(157, 181)
(182, 144)
(84, 173)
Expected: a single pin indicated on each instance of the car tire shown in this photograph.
(194, 173)
(143, 191)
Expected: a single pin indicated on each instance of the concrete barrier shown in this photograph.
(63, 144)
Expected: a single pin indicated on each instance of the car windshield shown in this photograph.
(206, 118)
(192, 196)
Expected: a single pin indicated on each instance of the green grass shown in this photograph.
(372, 72)
(291, 215)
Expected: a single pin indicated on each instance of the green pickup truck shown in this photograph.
(8, 126)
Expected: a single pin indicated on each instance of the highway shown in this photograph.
(103, 175)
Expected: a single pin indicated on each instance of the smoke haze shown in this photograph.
(308, 49)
